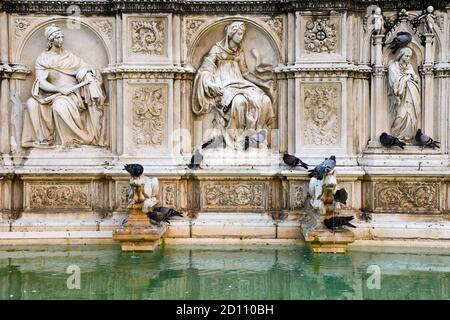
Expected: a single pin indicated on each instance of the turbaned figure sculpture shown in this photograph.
(241, 101)
(67, 102)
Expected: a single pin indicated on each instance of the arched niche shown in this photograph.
(81, 40)
(256, 37)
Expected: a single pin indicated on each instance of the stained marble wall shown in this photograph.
(322, 60)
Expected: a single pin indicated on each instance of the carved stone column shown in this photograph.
(428, 88)
(378, 113)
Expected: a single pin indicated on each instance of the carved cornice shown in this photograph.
(13, 71)
(91, 7)
(337, 69)
(144, 72)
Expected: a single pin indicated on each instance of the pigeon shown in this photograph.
(255, 139)
(196, 160)
(425, 141)
(162, 214)
(134, 169)
(293, 161)
(338, 222)
(391, 141)
(323, 168)
(341, 196)
(214, 142)
(401, 40)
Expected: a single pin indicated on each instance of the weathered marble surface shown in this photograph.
(327, 66)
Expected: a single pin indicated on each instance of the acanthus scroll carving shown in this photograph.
(320, 36)
(59, 195)
(321, 114)
(149, 104)
(148, 37)
(407, 196)
(229, 196)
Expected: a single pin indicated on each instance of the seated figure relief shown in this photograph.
(242, 103)
(67, 103)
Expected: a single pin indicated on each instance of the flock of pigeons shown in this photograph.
(421, 139)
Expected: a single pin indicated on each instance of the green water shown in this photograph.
(212, 272)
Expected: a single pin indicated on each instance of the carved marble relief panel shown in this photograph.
(233, 196)
(407, 197)
(320, 37)
(298, 194)
(58, 195)
(149, 107)
(148, 38)
(169, 195)
(321, 114)
(122, 194)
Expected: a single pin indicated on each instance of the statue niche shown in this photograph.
(405, 99)
(67, 103)
(240, 102)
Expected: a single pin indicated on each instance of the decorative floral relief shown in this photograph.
(169, 194)
(58, 195)
(233, 196)
(148, 37)
(192, 26)
(297, 197)
(276, 24)
(321, 114)
(403, 196)
(149, 104)
(105, 27)
(122, 193)
(21, 25)
(320, 36)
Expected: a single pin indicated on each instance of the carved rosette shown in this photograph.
(321, 120)
(149, 109)
(298, 197)
(169, 195)
(192, 27)
(320, 36)
(59, 195)
(148, 37)
(407, 197)
(223, 195)
(21, 25)
(105, 27)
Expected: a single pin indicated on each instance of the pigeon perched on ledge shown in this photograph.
(134, 169)
(334, 223)
(323, 168)
(162, 214)
(293, 161)
(391, 141)
(425, 141)
(401, 40)
(341, 196)
(196, 160)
